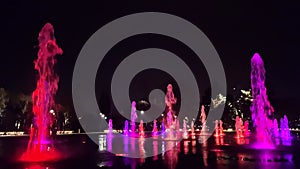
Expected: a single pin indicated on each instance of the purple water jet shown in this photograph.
(261, 109)
(110, 126)
(133, 117)
(126, 128)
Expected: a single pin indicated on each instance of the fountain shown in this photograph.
(40, 148)
(170, 98)
(217, 134)
(171, 123)
(287, 133)
(110, 126)
(239, 127)
(171, 126)
(261, 109)
(154, 130)
(275, 128)
(125, 131)
(163, 129)
(133, 117)
(221, 128)
(185, 134)
(177, 128)
(284, 127)
(141, 129)
(192, 130)
(246, 128)
(203, 121)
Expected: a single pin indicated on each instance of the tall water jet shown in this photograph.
(133, 117)
(203, 121)
(171, 123)
(170, 98)
(38, 148)
(261, 109)
(110, 126)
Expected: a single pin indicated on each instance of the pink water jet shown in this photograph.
(261, 109)
(239, 127)
(218, 128)
(154, 130)
(40, 147)
(141, 129)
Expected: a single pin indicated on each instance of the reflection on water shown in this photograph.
(219, 140)
(186, 146)
(242, 140)
(142, 150)
(286, 141)
(206, 149)
(194, 146)
(102, 142)
(109, 138)
(36, 166)
(222, 152)
(133, 163)
(163, 149)
(155, 150)
(171, 156)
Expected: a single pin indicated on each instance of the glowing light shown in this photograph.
(220, 99)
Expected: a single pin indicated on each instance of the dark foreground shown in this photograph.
(78, 151)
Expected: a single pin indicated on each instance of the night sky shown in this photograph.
(237, 29)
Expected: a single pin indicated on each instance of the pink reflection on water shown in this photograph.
(155, 150)
(186, 147)
(171, 156)
(37, 166)
(194, 147)
(109, 139)
(142, 150)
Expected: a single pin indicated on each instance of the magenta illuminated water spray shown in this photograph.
(43, 96)
(262, 111)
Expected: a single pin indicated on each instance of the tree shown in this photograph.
(25, 115)
(4, 99)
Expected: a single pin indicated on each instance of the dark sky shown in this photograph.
(237, 29)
